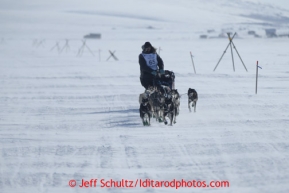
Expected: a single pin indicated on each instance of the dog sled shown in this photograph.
(166, 79)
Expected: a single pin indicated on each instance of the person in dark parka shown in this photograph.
(149, 62)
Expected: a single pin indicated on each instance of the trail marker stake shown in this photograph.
(160, 50)
(66, 46)
(257, 66)
(40, 43)
(193, 62)
(111, 55)
(56, 46)
(230, 44)
(80, 51)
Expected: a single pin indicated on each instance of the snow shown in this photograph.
(65, 117)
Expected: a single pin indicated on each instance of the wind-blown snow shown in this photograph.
(65, 117)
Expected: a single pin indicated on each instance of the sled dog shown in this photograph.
(169, 110)
(145, 112)
(146, 94)
(176, 99)
(157, 99)
(192, 99)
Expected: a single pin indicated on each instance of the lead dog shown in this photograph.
(145, 112)
(192, 99)
(146, 94)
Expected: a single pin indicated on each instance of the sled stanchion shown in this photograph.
(193, 62)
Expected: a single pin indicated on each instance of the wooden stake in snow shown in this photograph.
(80, 51)
(66, 46)
(193, 62)
(56, 46)
(159, 50)
(111, 55)
(257, 77)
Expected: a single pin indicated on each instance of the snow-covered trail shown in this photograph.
(65, 117)
(68, 118)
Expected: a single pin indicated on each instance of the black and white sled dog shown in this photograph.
(145, 112)
(146, 94)
(157, 100)
(176, 99)
(169, 109)
(192, 99)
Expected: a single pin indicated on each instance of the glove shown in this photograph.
(154, 73)
(162, 71)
